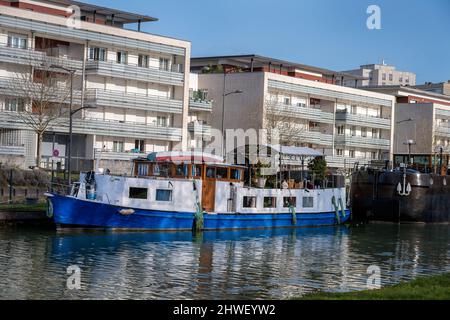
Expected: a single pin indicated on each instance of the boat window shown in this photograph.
(235, 174)
(289, 201)
(142, 169)
(249, 202)
(308, 202)
(163, 195)
(181, 170)
(222, 173)
(196, 171)
(210, 172)
(270, 202)
(138, 193)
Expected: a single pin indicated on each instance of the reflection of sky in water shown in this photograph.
(229, 265)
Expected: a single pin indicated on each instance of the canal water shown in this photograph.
(263, 264)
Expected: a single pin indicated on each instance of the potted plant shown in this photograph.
(259, 178)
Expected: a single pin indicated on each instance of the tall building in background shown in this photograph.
(137, 82)
(348, 125)
(378, 75)
(441, 88)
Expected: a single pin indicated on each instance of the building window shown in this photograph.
(308, 202)
(97, 54)
(287, 101)
(14, 105)
(351, 153)
(364, 132)
(270, 202)
(391, 77)
(164, 64)
(341, 130)
(400, 79)
(407, 80)
(139, 146)
(161, 121)
(375, 133)
(374, 155)
(122, 57)
(143, 61)
(138, 193)
(249, 202)
(163, 195)
(17, 41)
(383, 76)
(118, 146)
(142, 169)
(339, 152)
(289, 201)
(353, 131)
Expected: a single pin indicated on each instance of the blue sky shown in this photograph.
(415, 35)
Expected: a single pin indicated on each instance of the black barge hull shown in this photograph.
(377, 195)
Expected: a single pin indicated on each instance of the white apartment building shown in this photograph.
(377, 75)
(422, 117)
(137, 82)
(348, 125)
(199, 118)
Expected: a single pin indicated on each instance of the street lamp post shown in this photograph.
(223, 112)
(409, 143)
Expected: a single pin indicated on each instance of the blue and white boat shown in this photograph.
(183, 191)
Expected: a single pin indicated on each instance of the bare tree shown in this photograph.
(43, 91)
(278, 120)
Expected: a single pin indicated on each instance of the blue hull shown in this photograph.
(73, 212)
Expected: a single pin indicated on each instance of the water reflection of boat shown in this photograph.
(181, 191)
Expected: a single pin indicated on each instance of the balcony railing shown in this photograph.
(200, 105)
(36, 58)
(12, 150)
(10, 120)
(363, 120)
(15, 88)
(345, 162)
(308, 113)
(123, 156)
(315, 137)
(199, 128)
(119, 99)
(124, 71)
(363, 142)
(442, 130)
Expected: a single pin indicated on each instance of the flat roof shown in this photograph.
(119, 15)
(408, 89)
(246, 60)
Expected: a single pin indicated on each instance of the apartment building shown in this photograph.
(135, 84)
(199, 117)
(377, 75)
(422, 126)
(348, 125)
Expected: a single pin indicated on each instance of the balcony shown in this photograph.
(442, 131)
(308, 113)
(314, 137)
(36, 58)
(345, 162)
(9, 86)
(12, 150)
(124, 156)
(363, 142)
(10, 120)
(362, 120)
(119, 99)
(199, 129)
(200, 105)
(131, 72)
